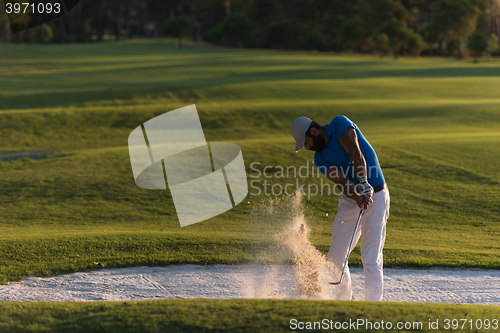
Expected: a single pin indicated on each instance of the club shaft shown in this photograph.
(350, 246)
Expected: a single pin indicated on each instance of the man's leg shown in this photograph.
(342, 230)
(372, 243)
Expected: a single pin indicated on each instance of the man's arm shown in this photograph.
(347, 187)
(349, 140)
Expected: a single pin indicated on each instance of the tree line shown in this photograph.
(395, 27)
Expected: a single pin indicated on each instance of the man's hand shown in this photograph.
(365, 191)
(362, 200)
(349, 189)
(364, 188)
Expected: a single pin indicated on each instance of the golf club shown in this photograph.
(350, 245)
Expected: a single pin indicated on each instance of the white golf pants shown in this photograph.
(372, 229)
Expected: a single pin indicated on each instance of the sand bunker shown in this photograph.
(250, 281)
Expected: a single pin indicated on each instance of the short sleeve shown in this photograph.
(340, 124)
(321, 164)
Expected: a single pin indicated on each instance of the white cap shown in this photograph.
(299, 129)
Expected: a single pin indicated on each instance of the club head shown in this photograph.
(340, 281)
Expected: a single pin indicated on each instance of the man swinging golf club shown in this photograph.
(345, 157)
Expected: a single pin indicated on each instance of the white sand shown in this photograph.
(250, 281)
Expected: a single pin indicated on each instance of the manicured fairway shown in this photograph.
(435, 124)
(202, 315)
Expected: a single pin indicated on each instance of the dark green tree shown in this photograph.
(40, 34)
(478, 44)
(352, 33)
(429, 34)
(394, 46)
(178, 27)
(416, 44)
(453, 46)
(493, 44)
(375, 13)
(241, 30)
(396, 30)
(455, 19)
(382, 42)
(283, 34)
(485, 14)
(237, 30)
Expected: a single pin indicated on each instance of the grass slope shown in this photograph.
(202, 315)
(435, 124)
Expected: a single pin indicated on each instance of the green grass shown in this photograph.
(202, 315)
(435, 124)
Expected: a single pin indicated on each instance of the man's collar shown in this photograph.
(328, 130)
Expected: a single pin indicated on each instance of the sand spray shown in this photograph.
(295, 268)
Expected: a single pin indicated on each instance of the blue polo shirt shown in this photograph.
(334, 154)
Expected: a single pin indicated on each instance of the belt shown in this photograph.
(379, 188)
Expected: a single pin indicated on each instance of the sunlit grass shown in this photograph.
(205, 315)
(435, 124)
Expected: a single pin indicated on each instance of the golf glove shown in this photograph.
(364, 188)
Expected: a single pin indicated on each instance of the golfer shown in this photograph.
(345, 157)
